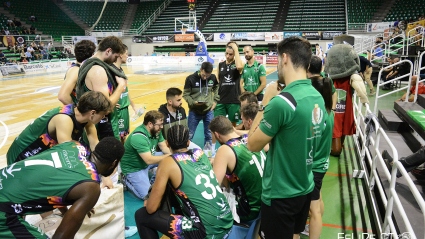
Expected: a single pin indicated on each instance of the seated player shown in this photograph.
(246, 97)
(206, 213)
(83, 50)
(55, 178)
(140, 153)
(59, 125)
(243, 168)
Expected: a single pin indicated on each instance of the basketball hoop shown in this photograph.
(183, 31)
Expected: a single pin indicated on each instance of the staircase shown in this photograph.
(129, 17)
(383, 11)
(279, 21)
(72, 15)
(207, 14)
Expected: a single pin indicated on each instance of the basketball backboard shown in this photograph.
(188, 23)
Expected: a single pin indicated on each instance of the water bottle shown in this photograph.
(139, 113)
(207, 149)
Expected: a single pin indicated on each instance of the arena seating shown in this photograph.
(89, 12)
(242, 16)
(165, 22)
(143, 12)
(51, 20)
(406, 10)
(361, 11)
(314, 15)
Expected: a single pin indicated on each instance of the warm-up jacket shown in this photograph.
(197, 89)
(169, 120)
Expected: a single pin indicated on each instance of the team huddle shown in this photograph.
(274, 160)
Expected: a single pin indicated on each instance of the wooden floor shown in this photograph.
(25, 97)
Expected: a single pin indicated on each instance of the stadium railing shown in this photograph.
(370, 157)
(148, 22)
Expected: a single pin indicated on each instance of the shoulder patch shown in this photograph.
(289, 99)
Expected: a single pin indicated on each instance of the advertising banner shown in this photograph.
(160, 38)
(207, 36)
(184, 37)
(76, 39)
(106, 34)
(330, 35)
(248, 36)
(273, 36)
(222, 37)
(379, 26)
(10, 40)
(178, 54)
(292, 34)
(11, 70)
(312, 35)
(271, 60)
(165, 60)
(259, 59)
(201, 50)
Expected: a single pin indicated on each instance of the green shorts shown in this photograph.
(232, 110)
(123, 122)
(14, 226)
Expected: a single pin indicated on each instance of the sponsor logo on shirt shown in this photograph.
(266, 123)
(210, 83)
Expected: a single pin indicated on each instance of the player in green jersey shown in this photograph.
(56, 178)
(243, 168)
(292, 122)
(124, 101)
(59, 125)
(83, 50)
(254, 74)
(321, 157)
(206, 213)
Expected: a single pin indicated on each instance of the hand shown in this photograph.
(271, 91)
(120, 80)
(145, 203)
(211, 161)
(89, 214)
(213, 107)
(233, 45)
(118, 106)
(135, 109)
(107, 182)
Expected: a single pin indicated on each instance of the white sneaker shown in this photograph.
(306, 230)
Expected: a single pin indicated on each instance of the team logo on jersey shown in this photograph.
(210, 83)
(18, 208)
(244, 71)
(121, 123)
(197, 84)
(250, 79)
(153, 150)
(317, 115)
(228, 79)
(256, 69)
(221, 69)
(223, 205)
(179, 116)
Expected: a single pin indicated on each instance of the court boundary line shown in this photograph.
(6, 135)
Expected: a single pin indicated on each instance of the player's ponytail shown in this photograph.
(324, 87)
